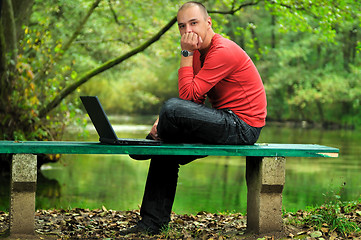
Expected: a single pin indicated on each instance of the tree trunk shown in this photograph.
(22, 12)
(16, 14)
(320, 111)
(273, 31)
(8, 49)
(252, 29)
(13, 14)
(9, 27)
(3, 69)
(349, 49)
(353, 39)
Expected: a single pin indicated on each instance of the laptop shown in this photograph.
(104, 128)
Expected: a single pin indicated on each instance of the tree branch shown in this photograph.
(113, 12)
(107, 65)
(103, 41)
(234, 10)
(291, 8)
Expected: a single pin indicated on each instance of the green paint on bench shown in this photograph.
(261, 150)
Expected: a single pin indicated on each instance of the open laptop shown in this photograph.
(104, 128)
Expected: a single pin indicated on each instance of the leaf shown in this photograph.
(301, 233)
(333, 236)
(104, 209)
(325, 230)
(316, 234)
(74, 74)
(57, 48)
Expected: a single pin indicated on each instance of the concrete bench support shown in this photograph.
(22, 196)
(265, 180)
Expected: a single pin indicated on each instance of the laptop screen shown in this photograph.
(98, 117)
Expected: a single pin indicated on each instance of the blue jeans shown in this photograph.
(182, 121)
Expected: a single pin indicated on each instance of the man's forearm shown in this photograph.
(186, 61)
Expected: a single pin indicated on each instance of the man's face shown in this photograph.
(192, 19)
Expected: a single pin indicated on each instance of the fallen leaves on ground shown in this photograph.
(106, 224)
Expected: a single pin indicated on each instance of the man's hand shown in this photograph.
(154, 132)
(191, 41)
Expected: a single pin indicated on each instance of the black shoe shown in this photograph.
(137, 229)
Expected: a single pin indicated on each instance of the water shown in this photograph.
(214, 184)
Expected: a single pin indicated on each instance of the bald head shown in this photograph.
(201, 7)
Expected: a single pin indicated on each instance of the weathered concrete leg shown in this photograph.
(265, 180)
(22, 197)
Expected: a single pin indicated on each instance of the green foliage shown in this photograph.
(30, 92)
(313, 90)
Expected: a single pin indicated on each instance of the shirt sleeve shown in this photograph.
(219, 63)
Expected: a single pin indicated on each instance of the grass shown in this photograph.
(170, 232)
(333, 216)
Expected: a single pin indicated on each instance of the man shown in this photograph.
(214, 67)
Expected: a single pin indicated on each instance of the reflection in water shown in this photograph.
(4, 191)
(211, 184)
(48, 189)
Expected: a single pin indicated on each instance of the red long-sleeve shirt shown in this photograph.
(229, 79)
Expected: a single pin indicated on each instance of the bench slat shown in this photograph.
(258, 150)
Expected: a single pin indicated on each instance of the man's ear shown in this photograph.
(209, 21)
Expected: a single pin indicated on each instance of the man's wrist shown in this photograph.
(186, 53)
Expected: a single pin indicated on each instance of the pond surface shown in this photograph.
(213, 184)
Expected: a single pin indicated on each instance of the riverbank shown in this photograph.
(331, 221)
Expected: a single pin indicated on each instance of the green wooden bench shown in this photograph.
(265, 174)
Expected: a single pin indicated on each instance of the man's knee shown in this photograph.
(172, 103)
(170, 106)
(168, 120)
